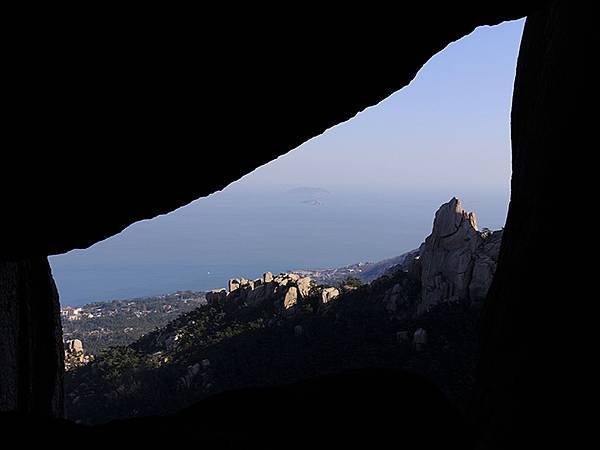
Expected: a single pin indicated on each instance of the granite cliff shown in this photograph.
(456, 263)
(287, 327)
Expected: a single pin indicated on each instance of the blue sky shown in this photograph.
(388, 169)
(448, 128)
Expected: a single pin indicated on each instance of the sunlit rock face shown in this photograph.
(286, 292)
(329, 294)
(75, 355)
(291, 298)
(457, 261)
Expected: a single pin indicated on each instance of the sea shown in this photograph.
(245, 231)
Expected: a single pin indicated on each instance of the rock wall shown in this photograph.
(31, 348)
(535, 325)
(457, 261)
(75, 355)
(285, 291)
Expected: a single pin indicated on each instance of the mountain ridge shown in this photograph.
(288, 327)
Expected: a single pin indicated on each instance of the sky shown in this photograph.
(449, 127)
(387, 170)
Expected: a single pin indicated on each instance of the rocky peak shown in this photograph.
(75, 355)
(457, 261)
(285, 291)
(451, 217)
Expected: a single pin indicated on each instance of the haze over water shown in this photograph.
(385, 172)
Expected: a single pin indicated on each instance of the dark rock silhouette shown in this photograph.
(365, 407)
(97, 118)
(31, 347)
(527, 384)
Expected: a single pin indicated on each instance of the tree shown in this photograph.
(351, 282)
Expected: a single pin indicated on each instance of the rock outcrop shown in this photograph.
(291, 298)
(31, 346)
(329, 294)
(75, 355)
(457, 261)
(285, 291)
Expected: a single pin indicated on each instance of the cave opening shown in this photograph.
(364, 191)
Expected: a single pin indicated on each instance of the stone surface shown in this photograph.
(233, 285)
(75, 355)
(304, 284)
(530, 384)
(329, 294)
(456, 263)
(446, 257)
(284, 291)
(291, 298)
(74, 346)
(31, 347)
(267, 277)
(216, 295)
(485, 261)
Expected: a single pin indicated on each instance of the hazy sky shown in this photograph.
(388, 170)
(448, 128)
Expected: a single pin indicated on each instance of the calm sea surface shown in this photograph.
(245, 232)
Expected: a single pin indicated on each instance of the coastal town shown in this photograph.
(119, 322)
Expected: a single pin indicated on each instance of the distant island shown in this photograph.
(309, 191)
(311, 196)
(314, 202)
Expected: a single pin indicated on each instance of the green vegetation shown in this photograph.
(121, 322)
(114, 361)
(225, 346)
(351, 282)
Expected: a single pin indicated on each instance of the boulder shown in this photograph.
(291, 298)
(233, 284)
(484, 266)
(267, 277)
(74, 346)
(74, 354)
(457, 261)
(304, 284)
(329, 294)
